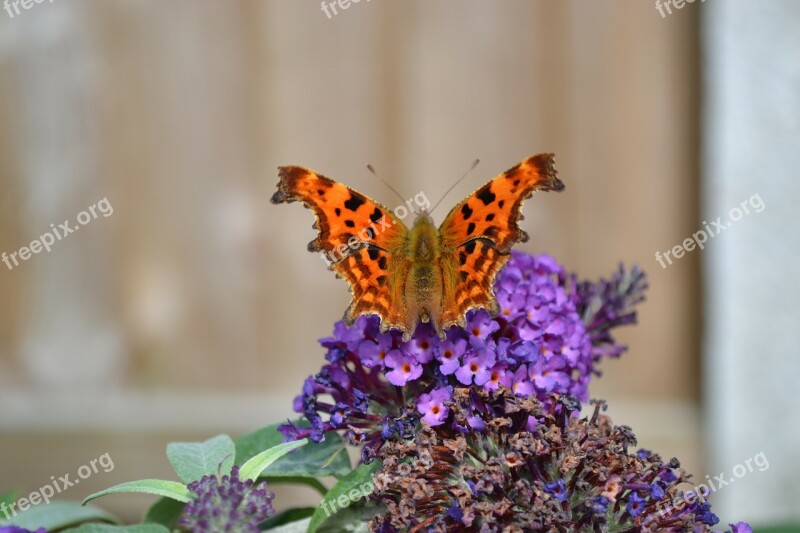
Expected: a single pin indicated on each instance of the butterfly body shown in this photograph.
(424, 284)
(425, 273)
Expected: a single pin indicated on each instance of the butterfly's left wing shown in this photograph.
(478, 234)
(358, 237)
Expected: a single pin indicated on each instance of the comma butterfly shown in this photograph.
(422, 274)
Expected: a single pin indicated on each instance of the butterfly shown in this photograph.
(423, 274)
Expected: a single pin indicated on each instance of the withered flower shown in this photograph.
(533, 467)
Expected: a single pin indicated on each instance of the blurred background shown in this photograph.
(192, 307)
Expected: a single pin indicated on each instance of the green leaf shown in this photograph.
(354, 519)
(159, 487)
(314, 483)
(8, 497)
(351, 491)
(299, 526)
(58, 515)
(287, 517)
(316, 459)
(165, 511)
(104, 528)
(258, 463)
(193, 460)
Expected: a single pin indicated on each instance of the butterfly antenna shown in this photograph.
(372, 170)
(453, 186)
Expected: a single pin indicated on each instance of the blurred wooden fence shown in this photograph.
(195, 307)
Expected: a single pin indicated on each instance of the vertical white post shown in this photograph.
(752, 147)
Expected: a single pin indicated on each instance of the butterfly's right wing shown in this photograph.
(480, 231)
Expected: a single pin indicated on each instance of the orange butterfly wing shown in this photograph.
(478, 234)
(359, 238)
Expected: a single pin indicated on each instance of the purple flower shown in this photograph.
(558, 489)
(432, 406)
(741, 527)
(510, 303)
(479, 327)
(598, 505)
(404, 368)
(549, 325)
(497, 376)
(422, 344)
(476, 423)
(17, 529)
(547, 376)
(521, 384)
(656, 491)
(226, 504)
(449, 355)
(476, 367)
(608, 304)
(373, 351)
(344, 337)
(524, 351)
(703, 512)
(636, 504)
(340, 414)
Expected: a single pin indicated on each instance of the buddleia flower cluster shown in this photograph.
(504, 463)
(548, 337)
(226, 503)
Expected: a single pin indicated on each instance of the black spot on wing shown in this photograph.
(376, 215)
(479, 263)
(470, 247)
(466, 211)
(489, 217)
(382, 262)
(486, 195)
(501, 203)
(470, 228)
(349, 223)
(380, 280)
(338, 211)
(464, 275)
(355, 201)
(373, 253)
(462, 257)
